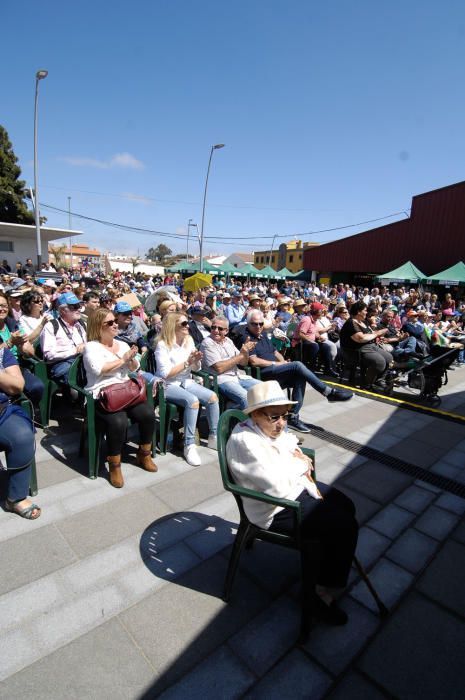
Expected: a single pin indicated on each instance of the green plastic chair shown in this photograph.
(248, 532)
(39, 368)
(90, 427)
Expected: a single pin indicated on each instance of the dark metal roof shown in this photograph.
(433, 238)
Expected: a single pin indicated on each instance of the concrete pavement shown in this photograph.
(116, 593)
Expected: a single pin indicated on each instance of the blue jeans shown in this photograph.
(294, 375)
(60, 370)
(236, 391)
(188, 395)
(17, 441)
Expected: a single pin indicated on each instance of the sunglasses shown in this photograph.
(183, 324)
(37, 301)
(74, 307)
(219, 328)
(275, 418)
(113, 322)
(256, 323)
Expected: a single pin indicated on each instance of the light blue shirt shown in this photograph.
(234, 313)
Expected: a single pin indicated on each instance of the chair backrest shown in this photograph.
(228, 421)
(148, 362)
(77, 373)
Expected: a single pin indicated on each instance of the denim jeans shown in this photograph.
(187, 395)
(236, 391)
(17, 441)
(294, 375)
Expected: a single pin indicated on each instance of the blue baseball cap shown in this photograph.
(68, 298)
(122, 307)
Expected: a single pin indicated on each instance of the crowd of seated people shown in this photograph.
(229, 331)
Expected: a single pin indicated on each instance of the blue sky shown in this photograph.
(332, 113)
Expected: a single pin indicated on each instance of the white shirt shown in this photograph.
(95, 356)
(27, 324)
(63, 344)
(214, 352)
(167, 358)
(267, 465)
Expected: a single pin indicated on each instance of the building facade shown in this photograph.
(288, 255)
(432, 237)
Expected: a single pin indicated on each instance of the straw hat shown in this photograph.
(266, 394)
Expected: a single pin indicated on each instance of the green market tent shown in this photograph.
(229, 269)
(180, 267)
(407, 272)
(207, 267)
(452, 276)
(269, 272)
(286, 273)
(247, 270)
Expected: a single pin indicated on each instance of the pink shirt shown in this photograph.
(307, 326)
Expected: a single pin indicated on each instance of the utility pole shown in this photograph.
(70, 238)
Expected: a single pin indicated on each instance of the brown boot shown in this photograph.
(116, 476)
(144, 458)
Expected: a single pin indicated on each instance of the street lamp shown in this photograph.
(40, 75)
(188, 232)
(213, 148)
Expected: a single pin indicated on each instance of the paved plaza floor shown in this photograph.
(117, 593)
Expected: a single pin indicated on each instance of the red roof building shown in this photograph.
(433, 238)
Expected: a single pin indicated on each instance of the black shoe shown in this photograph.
(331, 614)
(297, 424)
(339, 395)
(331, 373)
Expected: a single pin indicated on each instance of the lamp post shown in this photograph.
(40, 75)
(188, 232)
(213, 148)
(70, 239)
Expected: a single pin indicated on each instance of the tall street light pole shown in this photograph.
(213, 148)
(70, 239)
(188, 232)
(40, 75)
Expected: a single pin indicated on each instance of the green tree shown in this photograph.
(159, 253)
(13, 209)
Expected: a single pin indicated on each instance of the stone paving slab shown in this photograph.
(418, 653)
(153, 558)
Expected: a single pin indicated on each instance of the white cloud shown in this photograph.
(119, 160)
(136, 197)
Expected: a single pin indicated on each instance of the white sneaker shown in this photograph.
(212, 442)
(192, 456)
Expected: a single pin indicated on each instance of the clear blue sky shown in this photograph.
(332, 113)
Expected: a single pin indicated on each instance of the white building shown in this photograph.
(18, 242)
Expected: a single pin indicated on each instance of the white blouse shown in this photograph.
(96, 355)
(167, 358)
(267, 465)
(27, 324)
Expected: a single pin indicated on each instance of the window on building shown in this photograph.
(300, 256)
(272, 258)
(263, 259)
(6, 247)
(291, 258)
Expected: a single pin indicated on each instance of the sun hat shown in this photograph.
(226, 295)
(254, 297)
(411, 313)
(266, 394)
(67, 298)
(299, 302)
(283, 301)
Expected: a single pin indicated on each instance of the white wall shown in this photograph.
(23, 248)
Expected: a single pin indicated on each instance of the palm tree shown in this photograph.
(134, 262)
(59, 253)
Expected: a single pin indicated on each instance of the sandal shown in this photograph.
(12, 507)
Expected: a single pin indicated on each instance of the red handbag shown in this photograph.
(117, 397)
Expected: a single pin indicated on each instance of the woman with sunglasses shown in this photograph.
(263, 456)
(33, 318)
(107, 361)
(176, 357)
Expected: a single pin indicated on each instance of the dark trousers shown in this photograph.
(332, 522)
(115, 424)
(33, 386)
(294, 375)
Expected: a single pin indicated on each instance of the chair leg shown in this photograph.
(163, 431)
(383, 611)
(33, 481)
(308, 561)
(239, 542)
(93, 441)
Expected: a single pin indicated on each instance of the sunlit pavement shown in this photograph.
(117, 593)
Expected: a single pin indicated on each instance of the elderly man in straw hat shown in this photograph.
(264, 457)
